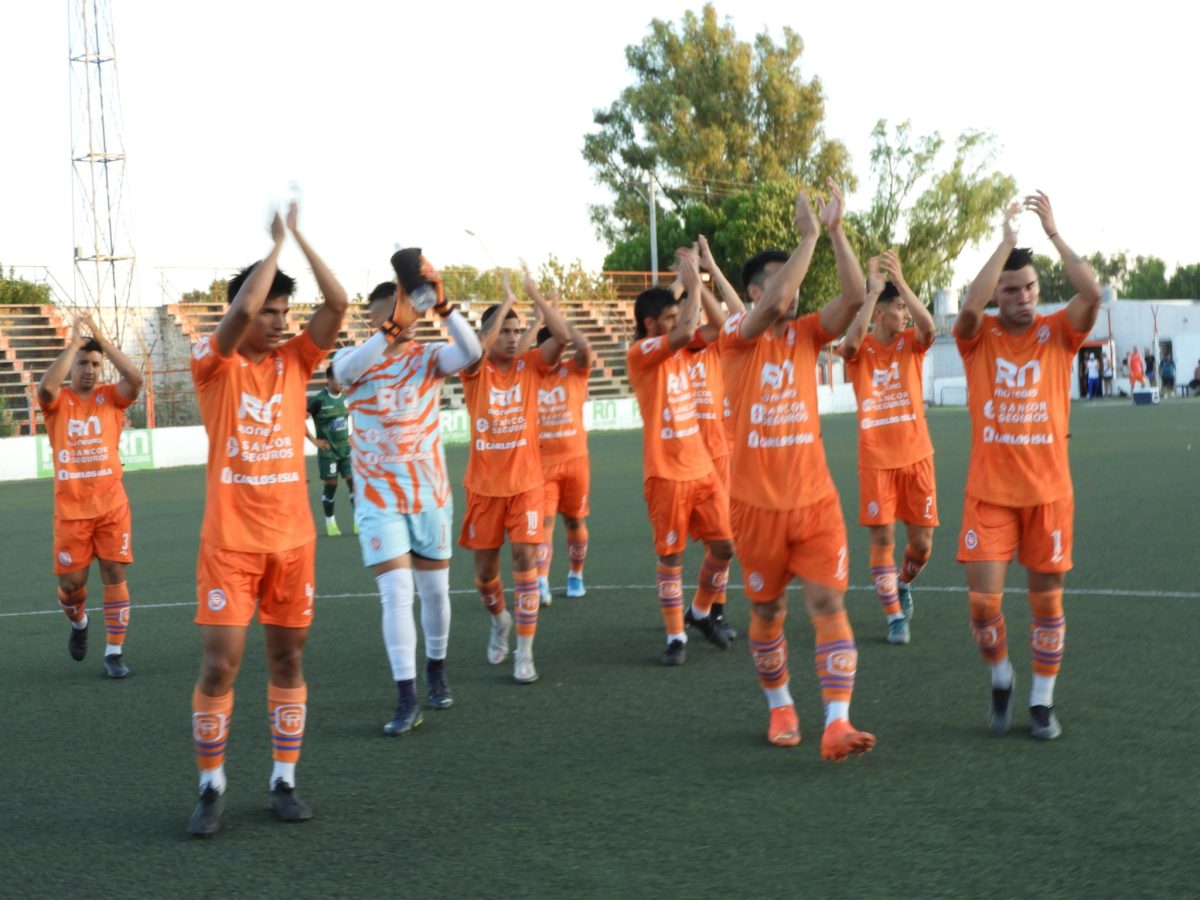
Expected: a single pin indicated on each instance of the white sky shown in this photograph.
(412, 122)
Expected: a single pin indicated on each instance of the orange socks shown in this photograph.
(116, 615)
(1047, 632)
(670, 597)
(883, 576)
(210, 732)
(525, 598)
(577, 547)
(914, 562)
(987, 624)
(492, 595)
(74, 604)
(714, 576)
(836, 657)
(288, 708)
(769, 650)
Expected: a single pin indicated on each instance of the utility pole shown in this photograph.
(653, 233)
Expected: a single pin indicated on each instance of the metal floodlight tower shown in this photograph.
(104, 257)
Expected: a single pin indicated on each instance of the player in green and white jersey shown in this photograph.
(327, 409)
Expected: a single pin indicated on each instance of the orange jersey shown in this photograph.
(1019, 395)
(561, 396)
(672, 445)
(708, 387)
(85, 433)
(771, 382)
(254, 414)
(504, 459)
(889, 384)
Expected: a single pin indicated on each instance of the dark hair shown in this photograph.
(755, 266)
(92, 346)
(281, 285)
(385, 290)
(543, 335)
(650, 304)
(1018, 259)
(329, 371)
(490, 312)
(889, 293)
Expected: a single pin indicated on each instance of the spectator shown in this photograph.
(1166, 371)
(1092, 364)
(1108, 376)
(1194, 384)
(1137, 370)
(1150, 370)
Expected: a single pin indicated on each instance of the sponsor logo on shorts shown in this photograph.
(842, 662)
(471, 531)
(872, 509)
(289, 719)
(672, 536)
(376, 543)
(64, 558)
(216, 600)
(971, 539)
(757, 582)
(843, 563)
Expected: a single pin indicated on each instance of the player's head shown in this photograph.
(380, 303)
(335, 386)
(508, 334)
(656, 311)
(891, 311)
(1017, 290)
(759, 269)
(85, 370)
(543, 335)
(267, 329)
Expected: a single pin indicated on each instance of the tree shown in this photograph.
(711, 117)
(956, 206)
(19, 292)
(1053, 286)
(1147, 279)
(218, 292)
(1185, 283)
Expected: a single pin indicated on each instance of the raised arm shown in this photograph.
(487, 334)
(839, 312)
(779, 294)
(132, 379)
(585, 356)
(922, 318)
(529, 335)
(1084, 307)
(249, 300)
(326, 322)
(52, 379)
(560, 332)
(848, 348)
(724, 290)
(689, 309)
(983, 288)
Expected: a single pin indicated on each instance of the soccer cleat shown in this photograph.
(718, 610)
(77, 642)
(497, 648)
(1000, 710)
(356, 528)
(523, 670)
(841, 739)
(286, 805)
(675, 654)
(206, 817)
(332, 529)
(709, 627)
(439, 691)
(1044, 725)
(898, 631)
(575, 588)
(906, 599)
(114, 667)
(544, 595)
(784, 729)
(407, 720)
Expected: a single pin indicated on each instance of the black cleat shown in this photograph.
(1043, 723)
(439, 691)
(718, 610)
(1000, 711)
(710, 627)
(206, 817)
(77, 642)
(407, 720)
(675, 654)
(285, 805)
(114, 666)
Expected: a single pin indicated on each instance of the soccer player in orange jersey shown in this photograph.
(787, 520)
(1019, 496)
(257, 542)
(563, 441)
(504, 472)
(684, 494)
(895, 455)
(84, 419)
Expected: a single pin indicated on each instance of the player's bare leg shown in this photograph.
(577, 548)
(714, 574)
(836, 658)
(916, 555)
(72, 600)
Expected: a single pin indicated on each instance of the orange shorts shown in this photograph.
(773, 546)
(1043, 533)
(681, 508)
(907, 494)
(488, 518)
(230, 583)
(566, 489)
(78, 541)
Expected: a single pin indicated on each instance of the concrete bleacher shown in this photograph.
(31, 338)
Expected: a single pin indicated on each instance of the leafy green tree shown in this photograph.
(19, 292)
(712, 117)
(1146, 279)
(1053, 286)
(1185, 283)
(218, 292)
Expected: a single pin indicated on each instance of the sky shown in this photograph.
(413, 123)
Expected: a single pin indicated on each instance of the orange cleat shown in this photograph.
(784, 730)
(841, 739)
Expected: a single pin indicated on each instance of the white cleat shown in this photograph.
(497, 648)
(523, 670)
